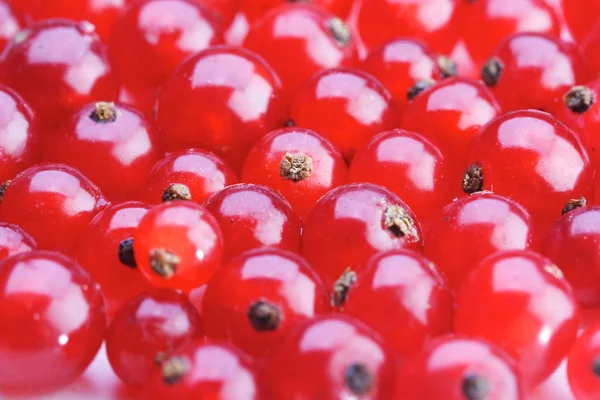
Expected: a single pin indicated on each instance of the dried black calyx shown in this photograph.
(418, 88)
(475, 387)
(104, 112)
(174, 369)
(574, 204)
(473, 179)
(264, 316)
(3, 189)
(596, 367)
(176, 191)
(358, 379)
(492, 71)
(340, 31)
(126, 255)
(163, 262)
(447, 67)
(289, 123)
(397, 221)
(295, 167)
(579, 99)
(341, 288)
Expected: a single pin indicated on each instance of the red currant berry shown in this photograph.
(10, 23)
(223, 100)
(299, 163)
(54, 321)
(532, 70)
(147, 330)
(106, 251)
(521, 302)
(474, 227)
(59, 66)
(298, 40)
(583, 366)
(254, 216)
(346, 106)
(198, 173)
(353, 222)
(14, 240)
(459, 368)
(53, 202)
(410, 166)
(581, 16)
(532, 158)
(178, 245)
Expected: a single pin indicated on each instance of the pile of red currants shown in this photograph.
(298, 200)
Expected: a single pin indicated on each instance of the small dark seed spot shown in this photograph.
(264, 316)
(579, 99)
(596, 367)
(447, 67)
(419, 87)
(104, 112)
(340, 31)
(473, 179)
(358, 379)
(342, 286)
(397, 221)
(126, 255)
(3, 189)
(289, 123)
(574, 204)
(176, 191)
(295, 167)
(492, 71)
(163, 262)
(475, 387)
(174, 369)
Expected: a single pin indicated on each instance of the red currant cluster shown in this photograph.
(294, 200)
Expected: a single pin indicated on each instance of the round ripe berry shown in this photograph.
(299, 40)
(346, 106)
(18, 134)
(398, 291)
(14, 240)
(114, 145)
(178, 245)
(146, 331)
(223, 100)
(532, 158)
(106, 251)
(58, 66)
(53, 202)
(459, 368)
(258, 297)
(205, 370)
(353, 222)
(583, 365)
(333, 357)
(410, 166)
(254, 216)
(299, 163)
(54, 321)
(474, 227)
(533, 70)
(580, 16)
(10, 23)
(519, 301)
(187, 175)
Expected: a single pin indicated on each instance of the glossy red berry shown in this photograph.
(520, 301)
(459, 368)
(258, 297)
(178, 245)
(583, 366)
(346, 106)
(353, 222)
(10, 23)
(298, 163)
(254, 216)
(334, 357)
(106, 251)
(201, 172)
(223, 100)
(474, 227)
(54, 203)
(581, 16)
(14, 240)
(147, 330)
(299, 40)
(54, 321)
(59, 66)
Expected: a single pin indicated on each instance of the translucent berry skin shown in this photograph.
(346, 106)
(348, 225)
(187, 236)
(581, 16)
(58, 66)
(202, 172)
(451, 367)
(223, 100)
(14, 240)
(254, 216)
(145, 332)
(116, 154)
(54, 203)
(54, 314)
(279, 278)
(19, 134)
(410, 166)
(521, 302)
(582, 365)
(382, 298)
(299, 40)
(328, 168)
(10, 23)
(468, 230)
(213, 370)
(534, 159)
(99, 253)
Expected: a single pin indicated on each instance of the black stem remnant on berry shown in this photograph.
(574, 204)
(126, 255)
(104, 112)
(475, 387)
(340, 31)
(418, 88)
(447, 67)
(473, 179)
(341, 288)
(174, 369)
(295, 167)
(596, 366)
(579, 99)
(289, 123)
(164, 263)
(264, 316)
(176, 191)
(3, 189)
(397, 221)
(492, 71)
(358, 379)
